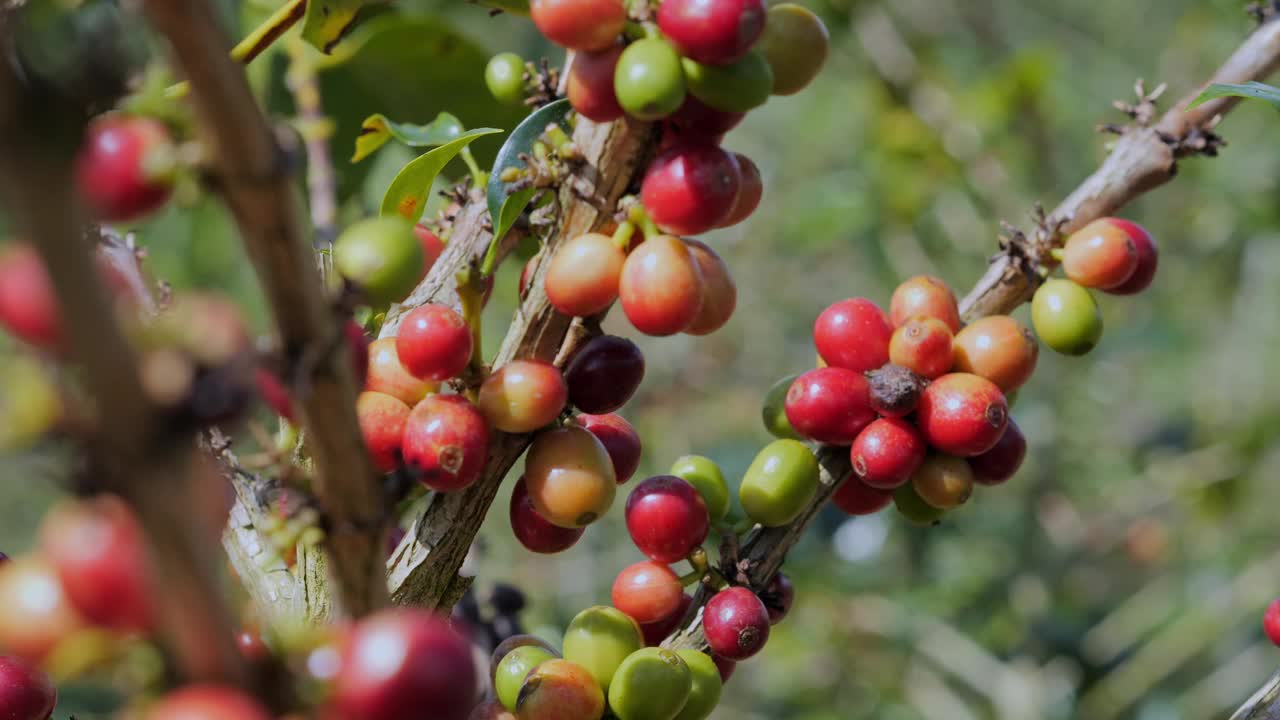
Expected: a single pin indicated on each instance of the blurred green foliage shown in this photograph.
(1123, 572)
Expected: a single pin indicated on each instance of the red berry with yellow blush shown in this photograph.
(928, 296)
(446, 442)
(434, 342)
(887, 452)
(962, 414)
(647, 591)
(590, 84)
(661, 287)
(923, 345)
(382, 419)
(1100, 255)
(691, 187)
(584, 25)
(1148, 258)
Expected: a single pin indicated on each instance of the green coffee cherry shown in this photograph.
(648, 80)
(774, 412)
(599, 639)
(705, 693)
(914, 508)
(651, 684)
(780, 482)
(795, 43)
(512, 671)
(1066, 317)
(504, 75)
(737, 87)
(381, 256)
(705, 476)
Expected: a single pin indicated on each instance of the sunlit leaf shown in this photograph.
(327, 21)
(1251, 89)
(377, 130)
(408, 192)
(505, 203)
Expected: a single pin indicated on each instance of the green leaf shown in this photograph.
(326, 21)
(408, 192)
(377, 129)
(1251, 89)
(504, 204)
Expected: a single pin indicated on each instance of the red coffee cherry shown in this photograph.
(446, 442)
(719, 293)
(655, 632)
(1148, 258)
(750, 190)
(1002, 461)
(604, 374)
(1271, 622)
(382, 419)
(830, 405)
(560, 690)
(1100, 255)
(432, 247)
(713, 32)
(207, 702)
(533, 531)
(584, 25)
(923, 345)
(736, 623)
(358, 346)
(124, 167)
(38, 614)
(582, 278)
(434, 342)
(962, 414)
(28, 306)
(590, 84)
(25, 692)
(398, 662)
(853, 334)
(943, 481)
(620, 440)
(999, 349)
(887, 452)
(924, 295)
(725, 666)
(252, 647)
(857, 498)
(666, 518)
(386, 375)
(690, 188)
(647, 591)
(778, 597)
(522, 396)
(661, 287)
(697, 122)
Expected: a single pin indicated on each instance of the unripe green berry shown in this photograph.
(705, 476)
(648, 80)
(1066, 317)
(504, 75)
(737, 87)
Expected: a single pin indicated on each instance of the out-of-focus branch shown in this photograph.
(252, 175)
(316, 129)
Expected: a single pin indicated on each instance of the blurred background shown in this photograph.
(1122, 573)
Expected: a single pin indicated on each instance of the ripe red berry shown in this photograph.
(887, 452)
(750, 190)
(853, 334)
(385, 374)
(690, 188)
(1148, 258)
(736, 623)
(534, 531)
(857, 498)
(604, 374)
(620, 440)
(1271, 622)
(1100, 255)
(446, 442)
(590, 84)
(28, 306)
(923, 345)
(924, 295)
(398, 662)
(719, 293)
(661, 287)
(830, 405)
(666, 518)
(647, 591)
(696, 121)
(252, 647)
(778, 597)
(434, 342)
(432, 247)
(382, 419)
(207, 702)
(124, 166)
(522, 396)
(358, 346)
(655, 632)
(25, 692)
(585, 25)
(962, 414)
(582, 278)
(725, 666)
(712, 32)
(1002, 461)
(999, 349)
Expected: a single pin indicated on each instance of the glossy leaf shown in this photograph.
(1251, 89)
(505, 205)
(376, 130)
(408, 192)
(326, 21)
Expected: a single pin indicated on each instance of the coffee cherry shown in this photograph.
(506, 647)
(99, 551)
(38, 614)
(513, 669)
(725, 666)
(928, 296)
(620, 440)
(399, 661)
(570, 476)
(774, 410)
(651, 684)
(943, 481)
(690, 188)
(358, 347)
(386, 375)
(719, 293)
(705, 477)
(922, 345)
(736, 623)
(28, 306)
(913, 507)
(590, 84)
(434, 342)
(252, 647)
(655, 632)
(750, 190)
(853, 334)
(1271, 622)
(666, 518)
(704, 694)
(381, 256)
(739, 86)
(1100, 255)
(584, 25)
(1148, 259)
(504, 76)
(647, 591)
(25, 692)
(716, 32)
(661, 288)
(532, 530)
(648, 79)
(962, 414)
(604, 374)
(778, 597)
(887, 452)
(446, 442)
(522, 396)
(582, 278)
(779, 483)
(599, 639)
(1066, 317)
(697, 122)
(560, 690)
(857, 498)
(999, 349)
(831, 405)
(432, 248)
(1002, 461)
(382, 419)
(207, 702)
(125, 166)
(795, 42)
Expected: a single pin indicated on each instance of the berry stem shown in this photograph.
(638, 215)
(479, 178)
(622, 236)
